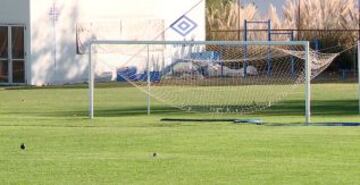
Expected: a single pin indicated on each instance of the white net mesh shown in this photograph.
(208, 77)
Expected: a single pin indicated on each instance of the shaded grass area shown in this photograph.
(328, 101)
(64, 147)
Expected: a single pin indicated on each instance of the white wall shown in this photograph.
(72, 68)
(68, 66)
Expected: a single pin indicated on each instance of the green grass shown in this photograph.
(64, 147)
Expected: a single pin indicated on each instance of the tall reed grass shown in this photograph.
(314, 14)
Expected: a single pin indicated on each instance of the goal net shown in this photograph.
(208, 76)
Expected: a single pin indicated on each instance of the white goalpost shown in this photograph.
(214, 76)
(307, 83)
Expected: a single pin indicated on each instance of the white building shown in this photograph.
(39, 39)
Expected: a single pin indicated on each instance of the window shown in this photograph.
(4, 54)
(12, 54)
(18, 54)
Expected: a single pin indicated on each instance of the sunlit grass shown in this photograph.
(64, 147)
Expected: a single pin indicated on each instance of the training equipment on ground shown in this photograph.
(209, 76)
(22, 146)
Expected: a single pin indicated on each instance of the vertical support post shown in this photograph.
(245, 30)
(317, 45)
(245, 47)
(292, 57)
(307, 84)
(222, 69)
(148, 81)
(269, 64)
(91, 85)
(269, 29)
(10, 56)
(359, 18)
(299, 21)
(359, 74)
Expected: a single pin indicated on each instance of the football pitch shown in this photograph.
(123, 145)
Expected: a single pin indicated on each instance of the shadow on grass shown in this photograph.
(318, 108)
(67, 86)
(137, 111)
(101, 112)
(324, 124)
(285, 108)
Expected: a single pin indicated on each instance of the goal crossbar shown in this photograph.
(242, 43)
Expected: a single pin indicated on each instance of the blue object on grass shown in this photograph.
(205, 55)
(154, 76)
(249, 121)
(125, 74)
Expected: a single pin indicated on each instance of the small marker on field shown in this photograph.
(22, 146)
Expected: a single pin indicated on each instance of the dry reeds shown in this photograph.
(314, 14)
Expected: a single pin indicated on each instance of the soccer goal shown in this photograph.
(208, 76)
